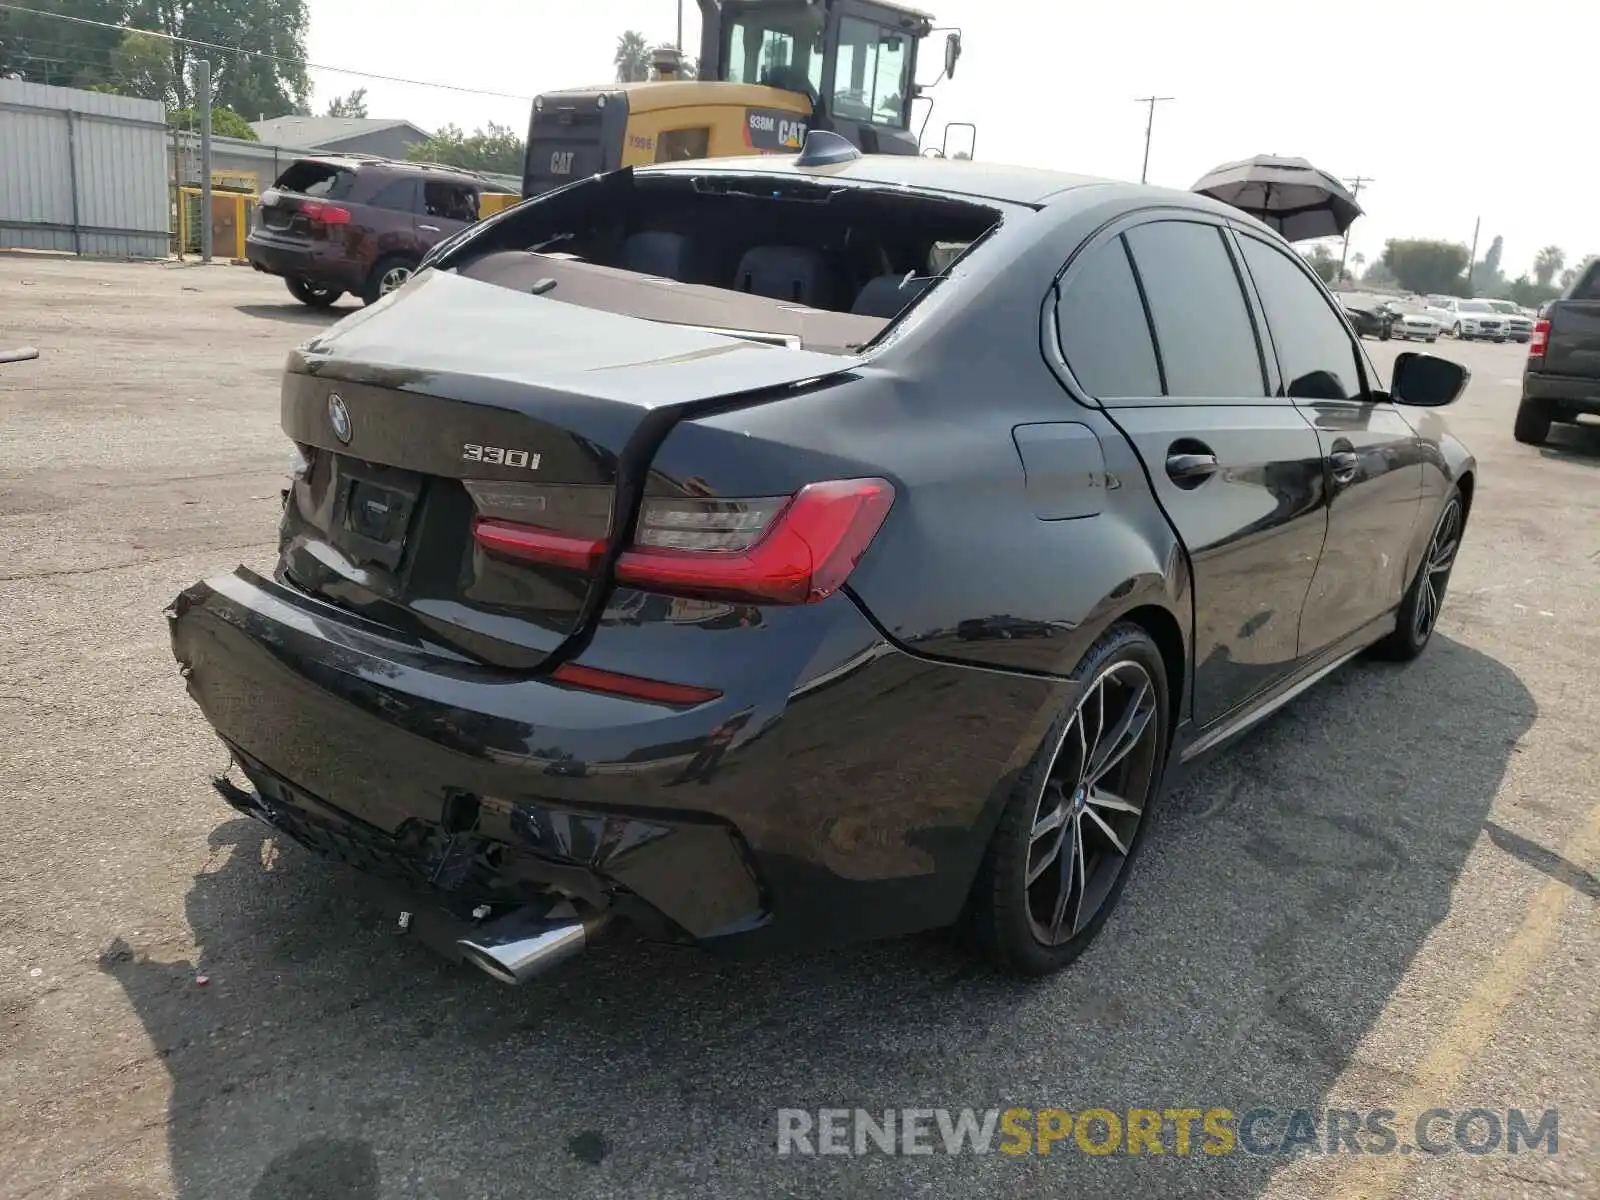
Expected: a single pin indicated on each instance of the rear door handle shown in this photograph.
(1191, 470)
(1345, 464)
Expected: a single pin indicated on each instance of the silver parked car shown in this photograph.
(1519, 326)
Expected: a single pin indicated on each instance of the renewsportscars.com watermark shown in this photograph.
(1177, 1131)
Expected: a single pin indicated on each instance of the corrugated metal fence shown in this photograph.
(82, 171)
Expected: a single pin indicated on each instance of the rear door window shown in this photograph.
(1315, 354)
(318, 179)
(452, 201)
(1203, 330)
(398, 196)
(1105, 336)
(1588, 288)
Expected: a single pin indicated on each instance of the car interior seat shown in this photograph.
(887, 295)
(657, 252)
(791, 273)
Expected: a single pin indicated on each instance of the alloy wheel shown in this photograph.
(1436, 570)
(393, 280)
(1092, 803)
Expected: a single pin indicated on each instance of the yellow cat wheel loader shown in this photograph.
(770, 71)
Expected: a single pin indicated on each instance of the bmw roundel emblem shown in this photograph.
(339, 417)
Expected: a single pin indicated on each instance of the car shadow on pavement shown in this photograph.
(296, 314)
(1282, 895)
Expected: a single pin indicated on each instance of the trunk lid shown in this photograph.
(455, 400)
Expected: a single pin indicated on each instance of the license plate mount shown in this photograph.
(372, 514)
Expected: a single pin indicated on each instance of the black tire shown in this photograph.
(1457, 334)
(382, 276)
(1532, 426)
(1432, 340)
(1125, 670)
(313, 295)
(1419, 611)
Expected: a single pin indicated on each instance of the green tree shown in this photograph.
(1547, 264)
(140, 66)
(1526, 292)
(224, 123)
(1426, 265)
(494, 148)
(632, 58)
(1324, 263)
(1491, 258)
(1377, 275)
(353, 105)
(44, 49)
(250, 84)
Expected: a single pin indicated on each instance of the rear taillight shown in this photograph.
(1539, 340)
(769, 550)
(319, 212)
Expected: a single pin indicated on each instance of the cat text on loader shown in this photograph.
(770, 70)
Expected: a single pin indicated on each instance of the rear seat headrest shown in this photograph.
(792, 273)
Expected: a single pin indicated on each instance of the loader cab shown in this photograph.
(855, 61)
(769, 71)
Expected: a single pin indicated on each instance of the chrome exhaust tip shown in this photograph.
(528, 941)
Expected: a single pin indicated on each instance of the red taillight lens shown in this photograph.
(765, 551)
(1539, 340)
(769, 550)
(319, 212)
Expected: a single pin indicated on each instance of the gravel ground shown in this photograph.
(1385, 898)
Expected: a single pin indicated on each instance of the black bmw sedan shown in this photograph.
(649, 559)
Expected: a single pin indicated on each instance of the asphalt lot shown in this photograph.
(1384, 898)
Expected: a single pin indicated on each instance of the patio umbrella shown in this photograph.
(1297, 199)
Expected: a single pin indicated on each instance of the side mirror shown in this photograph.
(952, 51)
(1427, 381)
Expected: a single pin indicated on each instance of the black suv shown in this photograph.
(333, 224)
(1562, 375)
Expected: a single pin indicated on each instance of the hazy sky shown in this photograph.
(1455, 109)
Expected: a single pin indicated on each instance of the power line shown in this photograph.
(1149, 126)
(277, 58)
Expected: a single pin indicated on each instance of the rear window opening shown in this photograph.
(818, 265)
(310, 178)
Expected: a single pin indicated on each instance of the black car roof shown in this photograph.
(958, 176)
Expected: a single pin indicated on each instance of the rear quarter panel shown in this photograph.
(965, 557)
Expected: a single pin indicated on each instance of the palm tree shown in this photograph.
(632, 57)
(1547, 264)
(1357, 261)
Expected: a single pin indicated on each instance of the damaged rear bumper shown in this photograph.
(838, 790)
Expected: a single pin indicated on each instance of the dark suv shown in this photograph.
(1561, 379)
(333, 224)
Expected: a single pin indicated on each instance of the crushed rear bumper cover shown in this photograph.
(852, 802)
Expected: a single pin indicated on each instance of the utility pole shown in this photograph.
(1149, 125)
(680, 26)
(202, 85)
(1355, 193)
(1472, 255)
